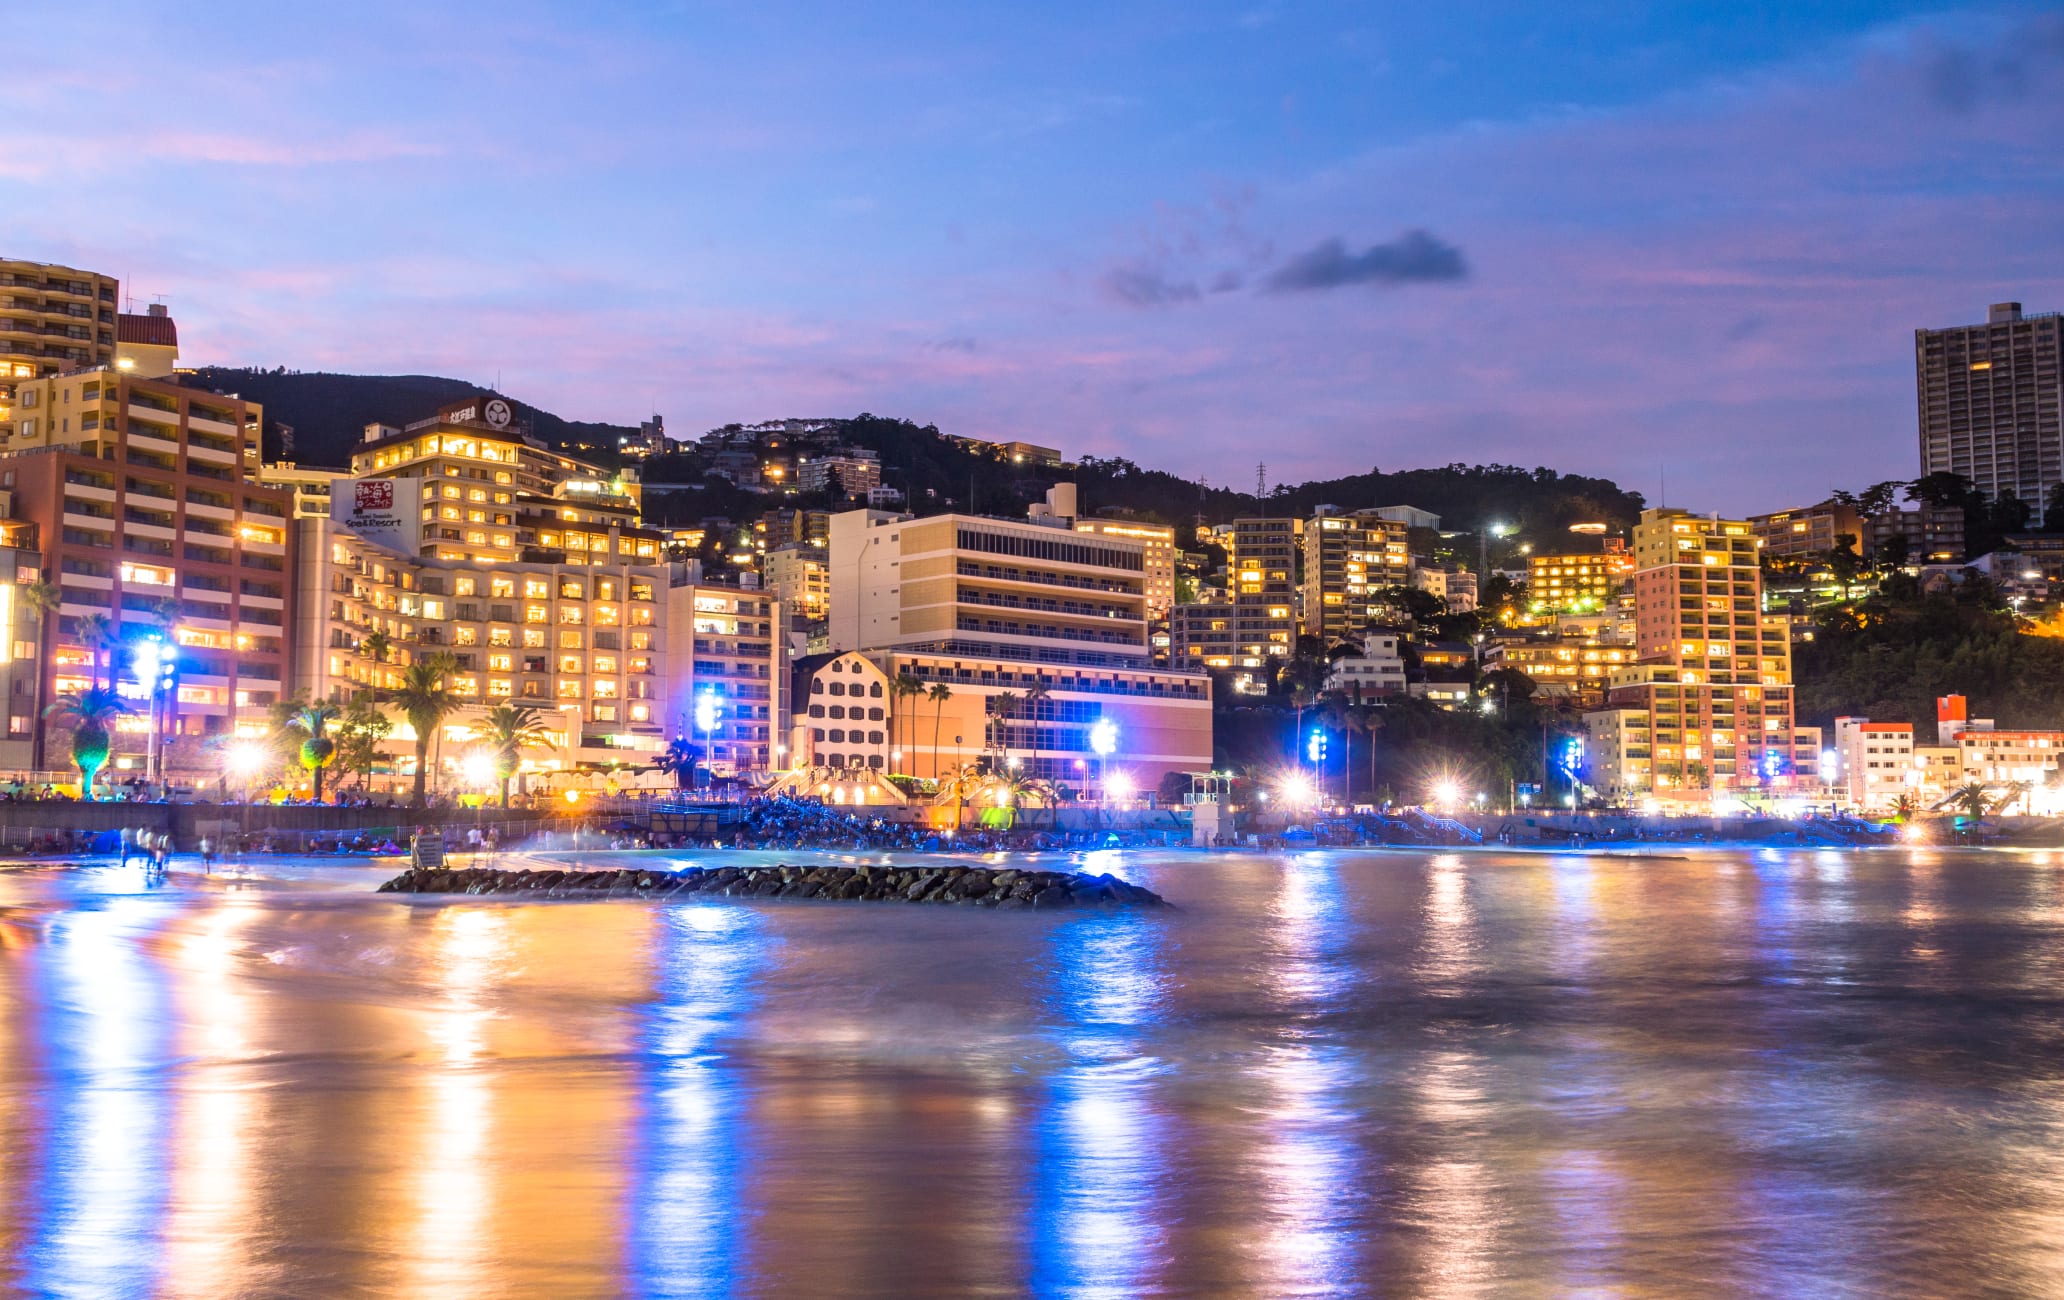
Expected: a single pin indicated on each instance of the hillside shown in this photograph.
(329, 412)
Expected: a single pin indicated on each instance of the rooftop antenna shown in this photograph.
(1662, 486)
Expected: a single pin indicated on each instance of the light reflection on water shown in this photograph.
(105, 1150)
(685, 1236)
(1327, 1074)
(1101, 1145)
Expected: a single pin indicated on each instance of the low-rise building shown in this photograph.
(1808, 531)
(1579, 583)
(852, 471)
(1560, 667)
(1379, 669)
(2018, 765)
(843, 714)
(1875, 762)
(1619, 753)
(312, 486)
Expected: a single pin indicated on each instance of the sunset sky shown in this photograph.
(1617, 239)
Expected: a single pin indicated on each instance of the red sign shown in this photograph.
(378, 494)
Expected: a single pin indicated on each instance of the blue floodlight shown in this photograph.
(146, 659)
(1103, 737)
(707, 709)
(1315, 745)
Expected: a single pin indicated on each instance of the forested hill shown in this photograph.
(329, 412)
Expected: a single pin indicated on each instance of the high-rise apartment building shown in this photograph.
(1714, 677)
(1990, 398)
(799, 577)
(1261, 566)
(1159, 541)
(53, 319)
(1348, 559)
(1200, 634)
(147, 510)
(726, 672)
(993, 608)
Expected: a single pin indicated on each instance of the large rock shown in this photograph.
(977, 886)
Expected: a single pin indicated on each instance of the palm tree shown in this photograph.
(938, 695)
(359, 735)
(509, 729)
(426, 700)
(1973, 798)
(1035, 695)
(318, 750)
(1336, 714)
(906, 686)
(1003, 706)
(92, 711)
(43, 598)
(376, 646)
(1907, 806)
(1369, 721)
(99, 633)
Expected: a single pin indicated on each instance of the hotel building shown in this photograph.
(988, 607)
(489, 491)
(458, 535)
(1713, 677)
(1347, 560)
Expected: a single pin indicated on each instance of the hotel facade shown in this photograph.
(990, 608)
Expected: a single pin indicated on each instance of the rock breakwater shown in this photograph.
(967, 886)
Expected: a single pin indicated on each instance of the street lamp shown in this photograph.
(244, 760)
(156, 665)
(1103, 740)
(708, 709)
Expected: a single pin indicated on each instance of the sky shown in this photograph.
(1683, 246)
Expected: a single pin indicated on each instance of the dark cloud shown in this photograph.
(1744, 329)
(1959, 78)
(1227, 281)
(958, 343)
(1413, 257)
(1143, 286)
